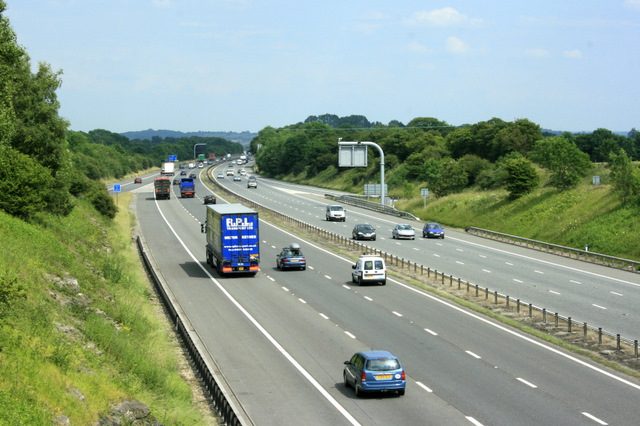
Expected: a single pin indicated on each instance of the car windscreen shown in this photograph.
(382, 364)
(336, 208)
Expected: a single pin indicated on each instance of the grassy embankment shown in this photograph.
(586, 215)
(76, 349)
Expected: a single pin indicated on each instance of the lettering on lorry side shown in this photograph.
(239, 223)
(237, 237)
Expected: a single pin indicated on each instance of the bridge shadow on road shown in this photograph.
(193, 269)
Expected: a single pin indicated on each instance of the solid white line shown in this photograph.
(263, 330)
(398, 314)
(554, 292)
(423, 386)
(598, 306)
(327, 277)
(575, 282)
(531, 385)
(349, 334)
(616, 293)
(474, 421)
(368, 298)
(594, 418)
(518, 281)
(476, 356)
(323, 316)
(486, 270)
(302, 300)
(433, 333)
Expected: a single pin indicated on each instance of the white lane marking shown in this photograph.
(436, 254)
(459, 262)
(284, 288)
(482, 256)
(460, 250)
(311, 267)
(263, 330)
(615, 293)
(467, 313)
(538, 272)
(518, 281)
(473, 421)
(486, 270)
(272, 246)
(271, 278)
(531, 385)
(423, 386)
(398, 314)
(346, 286)
(598, 306)
(398, 244)
(327, 277)
(476, 356)
(349, 334)
(323, 316)
(416, 249)
(575, 282)
(431, 332)
(302, 300)
(368, 298)
(554, 292)
(547, 262)
(594, 418)
(508, 263)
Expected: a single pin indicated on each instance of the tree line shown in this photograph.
(488, 154)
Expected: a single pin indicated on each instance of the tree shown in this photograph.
(445, 176)
(566, 162)
(520, 175)
(624, 176)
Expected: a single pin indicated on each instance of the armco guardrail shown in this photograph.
(547, 318)
(366, 204)
(220, 394)
(570, 252)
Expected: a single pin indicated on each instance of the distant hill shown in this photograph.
(243, 138)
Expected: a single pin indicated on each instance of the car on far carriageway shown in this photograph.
(432, 230)
(363, 231)
(237, 178)
(209, 199)
(374, 371)
(291, 257)
(137, 180)
(403, 230)
(220, 176)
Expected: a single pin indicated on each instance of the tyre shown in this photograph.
(401, 392)
(356, 390)
(384, 282)
(346, 381)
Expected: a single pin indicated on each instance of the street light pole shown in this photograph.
(375, 145)
(194, 149)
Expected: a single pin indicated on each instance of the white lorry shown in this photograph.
(168, 168)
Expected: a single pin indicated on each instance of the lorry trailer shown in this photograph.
(162, 187)
(187, 188)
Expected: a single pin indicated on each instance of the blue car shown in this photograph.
(291, 257)
(432, 230)
(375, 371)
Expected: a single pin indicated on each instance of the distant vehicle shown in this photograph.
(233, 240)
(162, 187)
(375, 371)
(237, 178)
(335, 212)
(137, 180)
(252, 182)
(239, 162)
(187, 188)
(403, 230)
(291, 257)
(182, 166)
(209, 199)
(363, 231)
(183, 173)
(168, 168)
(243, 172)
(230, 172)
(369, 269)
(220, 176)
(432, 230)
(193, 175)
(176, 181)
(192, 165)
(200, 165)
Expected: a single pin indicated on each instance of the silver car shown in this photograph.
(403, 231)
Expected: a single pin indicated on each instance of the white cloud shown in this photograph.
(537, 52)
(444, 17)
(417, 47)
(573, 54)
(456, 45)
(632, 4)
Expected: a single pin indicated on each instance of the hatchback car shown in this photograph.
(432, 230)
(252, 182)
(237, 178)
(403, 230)
(363, 231)
(369, 269)
(193, 175)
(374, 371)
(183, 173)
(220, 176)
(291, 257)
(137, 180)
(209, 199)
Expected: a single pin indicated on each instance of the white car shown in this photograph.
(220, 176)
(404, 231)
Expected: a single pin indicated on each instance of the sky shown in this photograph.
(242, 65)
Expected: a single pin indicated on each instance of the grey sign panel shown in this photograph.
(352, 156)
(371, 189)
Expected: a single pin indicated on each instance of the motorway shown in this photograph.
(601, 296)
(280, 339)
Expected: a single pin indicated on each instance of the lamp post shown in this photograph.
(375, 145)
(194, 149)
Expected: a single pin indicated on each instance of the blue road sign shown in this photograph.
(173, 157)
(117, 187)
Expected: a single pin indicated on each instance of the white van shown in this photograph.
(335, 212)
(369, 269)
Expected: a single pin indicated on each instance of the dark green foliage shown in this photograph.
(624, 176)
(563, 159)
(520, 175)
(473, 166)
(492, 177)
(602, 142)
(102, 201)
(445, 176)
(11, 293)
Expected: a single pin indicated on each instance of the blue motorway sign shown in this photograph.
(172, 157)
(117, 187)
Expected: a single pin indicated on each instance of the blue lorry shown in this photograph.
(233, 240)
(187, 188)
